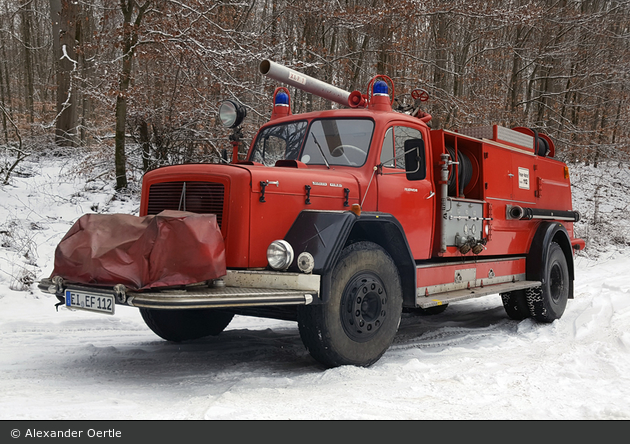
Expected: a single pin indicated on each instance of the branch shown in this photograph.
(21, 155)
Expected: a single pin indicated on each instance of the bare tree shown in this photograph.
(156, 71)
(63, 15)
(130, 35)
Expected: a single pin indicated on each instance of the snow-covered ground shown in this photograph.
(471, 362)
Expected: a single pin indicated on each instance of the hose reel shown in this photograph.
(464, 172)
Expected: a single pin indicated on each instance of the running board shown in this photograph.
(448, 297)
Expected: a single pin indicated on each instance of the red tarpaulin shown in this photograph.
(169, 249)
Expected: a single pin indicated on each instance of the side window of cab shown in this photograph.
(387, 152)
(393, 151)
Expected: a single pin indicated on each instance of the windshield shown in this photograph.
(327, 142)
(279, 142)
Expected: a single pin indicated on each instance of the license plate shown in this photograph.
(89, 301)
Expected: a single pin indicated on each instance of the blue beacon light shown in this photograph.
(380, 88)
(282, 99)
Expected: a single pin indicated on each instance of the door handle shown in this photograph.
(430, 195)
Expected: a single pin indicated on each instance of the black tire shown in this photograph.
(184, 325)
(515, 304)
(359, 321)
(548, 302)
(431, 311)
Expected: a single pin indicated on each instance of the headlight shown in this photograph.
(280, 255)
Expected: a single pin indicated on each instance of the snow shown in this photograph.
(470, 362)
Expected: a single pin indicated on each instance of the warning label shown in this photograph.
(523, 178)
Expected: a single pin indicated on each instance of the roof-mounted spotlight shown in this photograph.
(231, 113)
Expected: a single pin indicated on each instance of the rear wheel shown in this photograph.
(515, 304)
(430, 311)
(184, 325)
(359, 321)
(548, 302)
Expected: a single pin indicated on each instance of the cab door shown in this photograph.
(411, 202)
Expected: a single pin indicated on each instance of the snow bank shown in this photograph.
(470, 362)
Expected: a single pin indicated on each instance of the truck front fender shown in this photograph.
(324, 234)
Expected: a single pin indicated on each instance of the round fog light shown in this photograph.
(279, 255)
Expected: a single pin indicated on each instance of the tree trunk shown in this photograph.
(63, 14)
(440, 79)
(7, 101)
(85, 32)
(3, 103)
(130, 39)
(26, 13)
(120, 156)
(146, 145)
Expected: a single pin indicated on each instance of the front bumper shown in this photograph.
(238, 288)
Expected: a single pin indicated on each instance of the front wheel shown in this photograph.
(359, 321)
(184, 325)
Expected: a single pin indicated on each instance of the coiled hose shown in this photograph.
(465, 171)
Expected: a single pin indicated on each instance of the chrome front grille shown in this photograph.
(196, 197)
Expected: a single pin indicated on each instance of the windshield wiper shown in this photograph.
(320, 150)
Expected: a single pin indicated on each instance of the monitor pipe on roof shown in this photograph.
(305, 83)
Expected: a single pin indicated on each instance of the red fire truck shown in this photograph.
(343, 219)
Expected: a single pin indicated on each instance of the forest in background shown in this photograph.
(135, 84)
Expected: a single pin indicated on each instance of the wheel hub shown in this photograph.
(556, 282)
(364, 307)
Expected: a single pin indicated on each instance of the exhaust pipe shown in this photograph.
(515, 212)
(305, 83)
